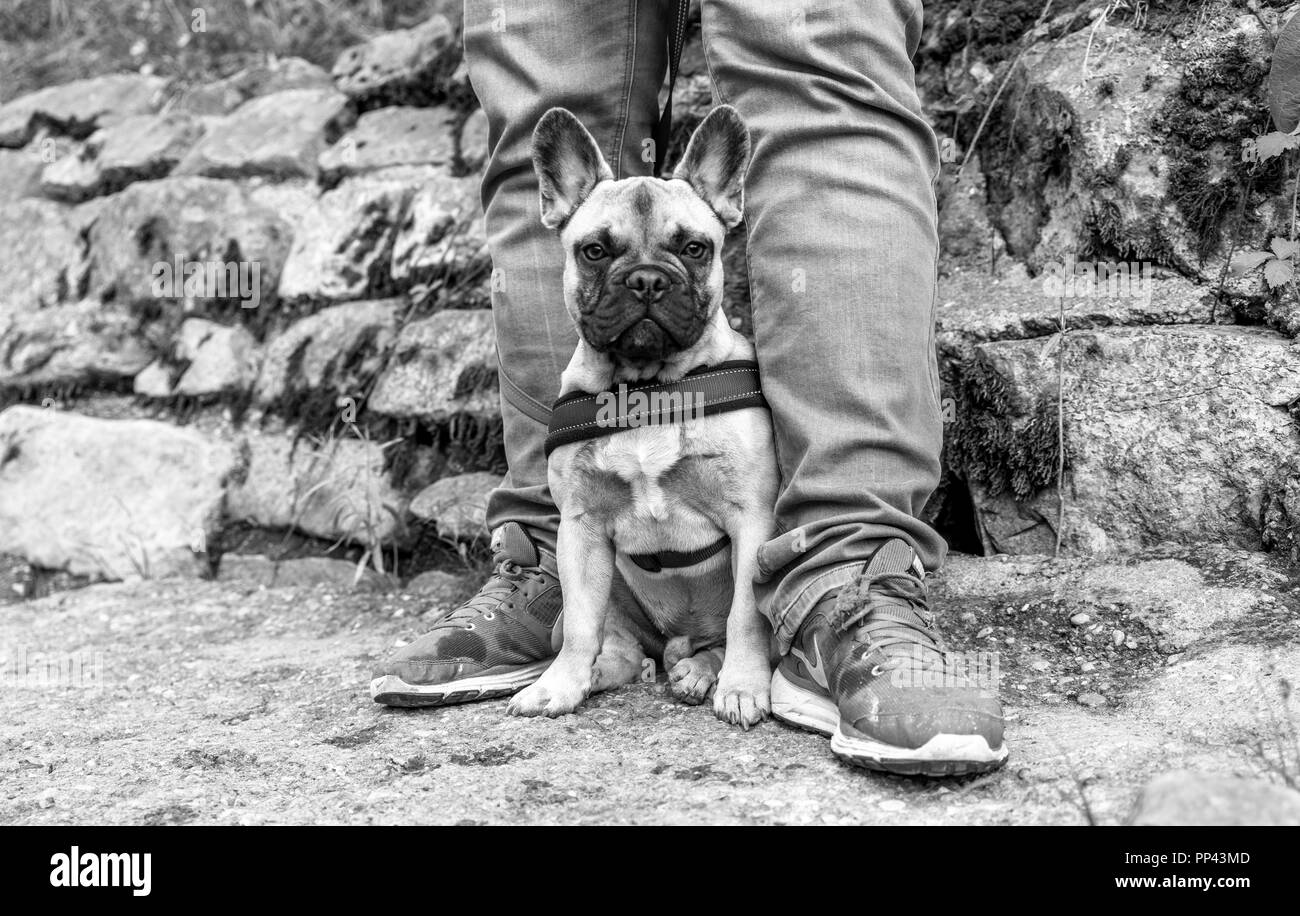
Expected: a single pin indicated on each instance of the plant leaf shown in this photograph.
(1243, 262)
(1284, 77)
(1278, 272)
(1284, 248)
(1275, 144)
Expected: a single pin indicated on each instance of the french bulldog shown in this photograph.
(643, 283)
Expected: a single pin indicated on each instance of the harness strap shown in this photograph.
(733, 385)
(677, 559)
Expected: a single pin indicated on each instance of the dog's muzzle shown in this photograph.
(645, 314)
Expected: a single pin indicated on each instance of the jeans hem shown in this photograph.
(786, 622)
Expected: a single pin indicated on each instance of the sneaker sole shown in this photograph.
(391, 690)
(802, 708)
(942, 755)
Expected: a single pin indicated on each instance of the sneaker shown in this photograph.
(868, 669)
(493, 645)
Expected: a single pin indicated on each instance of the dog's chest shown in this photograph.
(654, 488)
(639, 473)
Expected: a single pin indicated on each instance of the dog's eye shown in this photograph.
(695, 249)
(593, 252)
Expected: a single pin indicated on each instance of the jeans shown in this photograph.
(842, 245)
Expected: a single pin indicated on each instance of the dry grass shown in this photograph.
(47, 42)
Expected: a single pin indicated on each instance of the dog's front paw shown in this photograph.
(743, 698)
(691, 679)
(553, 696)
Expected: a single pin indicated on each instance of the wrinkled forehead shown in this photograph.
(633, 208)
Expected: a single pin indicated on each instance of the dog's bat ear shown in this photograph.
(714, 163)
(568, 165)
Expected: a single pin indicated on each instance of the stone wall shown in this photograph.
(259, 303)
(340, 382)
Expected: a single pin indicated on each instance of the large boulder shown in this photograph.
(276, 136)
(79, 108)
(457, 505)
(337, 489)
(967, 237)
(140, 236)
(206, 359)
(1282, 511)
(343, 247)
(442, 237)
(472, 144)
(264, 78)
(135, 148)
(112, 499)
(1128, 141)
(389, 137)
(1189, 799)
(441, 366)
(335, 352)
(50, 350)
(42, 260)
(974, 306)
(20, 174)
(1171, 434)
(292, 200)
(406, 67)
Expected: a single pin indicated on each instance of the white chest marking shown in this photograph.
(642, 457)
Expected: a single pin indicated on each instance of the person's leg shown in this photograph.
(843, 246)
(604, 60)
(843, 250)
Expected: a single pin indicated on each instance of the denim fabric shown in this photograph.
(843, 249)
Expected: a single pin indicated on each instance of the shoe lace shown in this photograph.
(492, 595)
(895, 620)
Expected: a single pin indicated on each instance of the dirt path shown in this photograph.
(222, 703)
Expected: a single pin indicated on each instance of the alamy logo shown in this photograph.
(47, 670)
(630, 408)
(181, 279)
(1073, 279)
(958, 669)
(103, 869)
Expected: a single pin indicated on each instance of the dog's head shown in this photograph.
(643, 256)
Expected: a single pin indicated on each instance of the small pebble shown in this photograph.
(1087, 666)
(1080, 619)
(893, 804)
(1117, 638)
(1130, 644)
(1040, 665)
(1091, 700)
(986, 631)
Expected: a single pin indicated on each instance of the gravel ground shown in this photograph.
(225, 702)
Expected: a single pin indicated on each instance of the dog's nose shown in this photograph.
(647, 282)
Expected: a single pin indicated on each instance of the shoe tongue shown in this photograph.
(893, 556)
(513, 543)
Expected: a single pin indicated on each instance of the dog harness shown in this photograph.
(703, 392)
